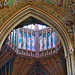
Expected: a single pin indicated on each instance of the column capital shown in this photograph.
(66, 57)
(71, 51)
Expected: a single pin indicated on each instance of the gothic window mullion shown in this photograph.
(42, 43)
(27, 43)
(22, 40)
(56, 42)
(31, 43)
(10, 38)
(13, 39)
(46, 43)
(17, 39)
(51, 39)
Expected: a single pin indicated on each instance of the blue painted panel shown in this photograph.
(20, 40)
(53, 39)
(33, 42)
(49, 40)
(29, 41)
(24, 40)
(45, 42)
(40, 42)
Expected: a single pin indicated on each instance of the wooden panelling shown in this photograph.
(22, 65)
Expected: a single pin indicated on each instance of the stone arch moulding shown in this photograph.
(41, 15)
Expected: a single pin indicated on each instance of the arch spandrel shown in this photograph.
(43, 16)
(8, 12)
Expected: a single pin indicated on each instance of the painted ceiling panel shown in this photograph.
(50, 2)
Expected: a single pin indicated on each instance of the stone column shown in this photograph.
(69, 65)
(74, 35)
(73, 55)
(73, 63)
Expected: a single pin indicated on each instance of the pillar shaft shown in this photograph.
(73, 63)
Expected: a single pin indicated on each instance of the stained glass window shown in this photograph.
(12, 37)
(45, 41)
(40, 43)
(33, 42)
(44, 26)
(37, 41)
(9, 39)
(33, 27)
(20, 40)
(24, 40)
(25, 27)
(53, 39)
(29, 26)
(39, 26)
(29, 41)
(49, 40)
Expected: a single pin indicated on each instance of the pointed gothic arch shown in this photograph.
(41, 15)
